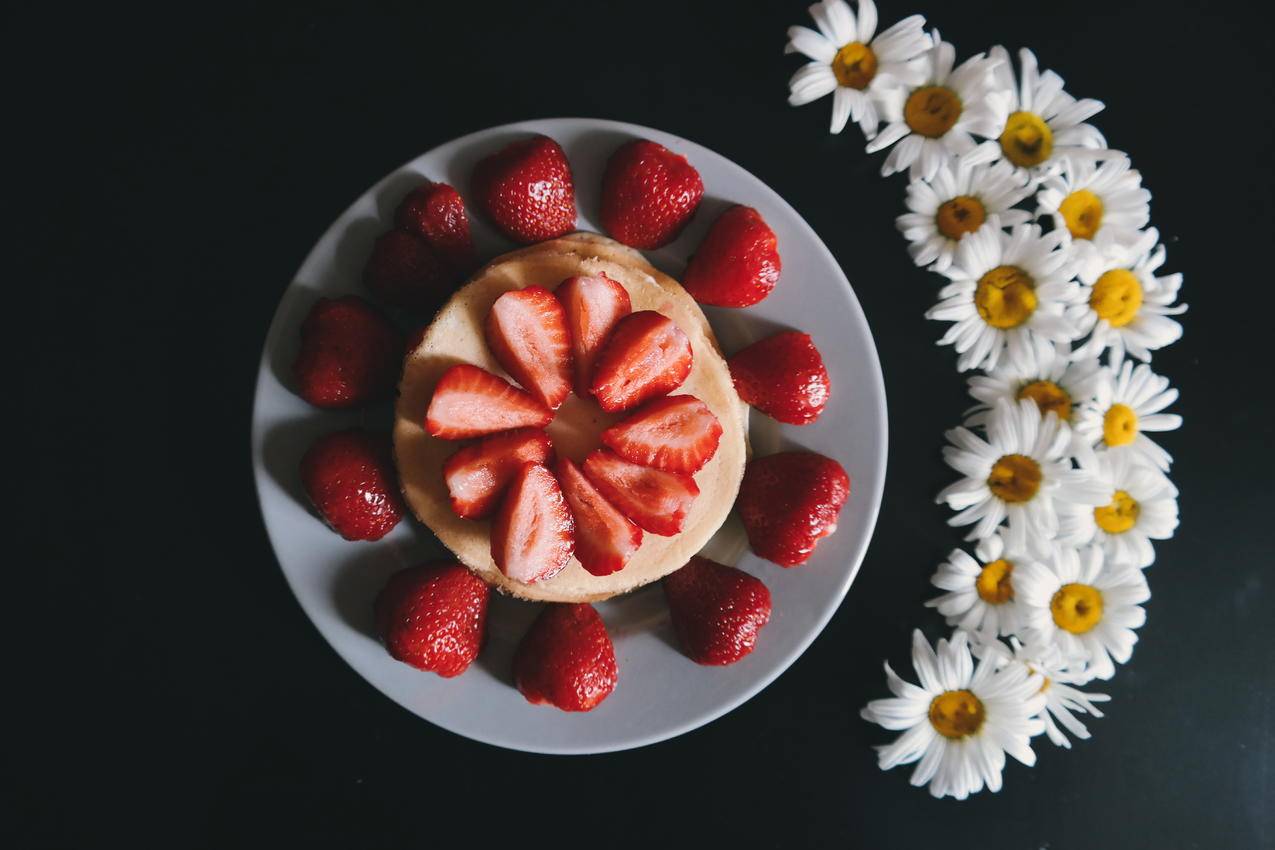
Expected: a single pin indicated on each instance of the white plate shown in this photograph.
(661, 693)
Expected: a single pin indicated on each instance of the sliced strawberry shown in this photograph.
(656, 500)
(533, 534)
(476, 475)
(717, 611)
(593, 304)
(472, 402)
(783, 376)
(436, 213)
(647, 355)
(677, 433)
(527, 334)
(737, 264)
(566, 659)
(605, 538)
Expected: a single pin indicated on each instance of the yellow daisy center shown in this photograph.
(1077, 608)
(1119, 516)
(1005, 297)
(1119, 425)
(993, 584)
(932, 110)
(1027, 139)
(1082, 213)
(1117, 297)
(963, 214)
(1049, 397)
(1014, 478)
(855, 65)
(1044, 686)
(957, 714)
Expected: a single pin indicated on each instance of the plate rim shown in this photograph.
(874, 495)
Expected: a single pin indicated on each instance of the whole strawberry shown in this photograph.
(784, 377)
(737, 264)
(566, 659)
(432, 617)
(406, 272)
(717, 610)
(789, 502)
(649, 194)
(349, 476)
(350, 354)
(436, 213)
(526, 190)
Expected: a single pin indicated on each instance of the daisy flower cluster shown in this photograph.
(1054, 299)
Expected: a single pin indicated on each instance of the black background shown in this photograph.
(172, 168)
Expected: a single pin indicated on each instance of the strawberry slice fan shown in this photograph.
(1062, 486)
(566, 424)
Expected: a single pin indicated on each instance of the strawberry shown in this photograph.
(566, 659)
(405, 272)
(783, 376)
(592, 306)
(527, 334)
(432, 617)
(533, 534)
(677, 433)
(350, 354)
(526, 190)
(472, 402)
(349, 476)
(648, 194)
(737, 264)
(605, 538)
(717, 611)
(656, 500)
(435, 212)
(789, 501)
(646, 355)
(476, 475)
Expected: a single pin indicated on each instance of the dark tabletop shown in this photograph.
(176, 164)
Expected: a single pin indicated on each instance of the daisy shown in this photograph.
(1007, 291)
(980, 593)
(847, 62)
(931, 120)
(1123, 305)
(1038, 125)
(1096, 205)
(1063, 700)
(960, 199)
(1058, 384)
(1126, 405)
(1021, 472)
(1084, 604)
(961, 721)
(1142, 506)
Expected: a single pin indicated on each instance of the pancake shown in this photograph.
(456, 336)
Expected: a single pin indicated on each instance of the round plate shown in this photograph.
(661, 693)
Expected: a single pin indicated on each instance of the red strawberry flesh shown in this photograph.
(526, 331)
(433, 617)
(789, 502)
(649, 194)
(737, 264)
(472, 402)
(717, 611)
(349, 476)
(784, 377)
(655, 500)
(647, 355)
(677, 433)
(477, 475)
(592, 305)
(533, 533)
(566, 659)
(605, 538)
